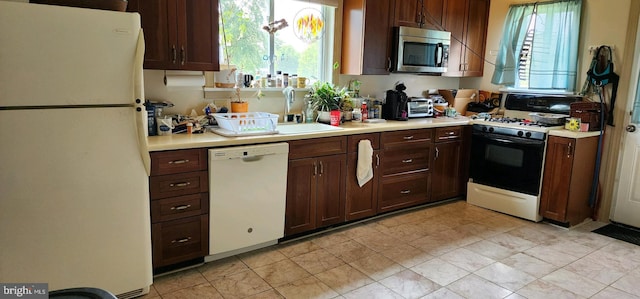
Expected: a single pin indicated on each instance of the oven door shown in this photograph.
(507, 162)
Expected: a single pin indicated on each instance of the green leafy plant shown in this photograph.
(326, 97)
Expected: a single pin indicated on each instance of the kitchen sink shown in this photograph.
(305, 128)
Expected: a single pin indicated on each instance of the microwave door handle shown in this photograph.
(439, 52)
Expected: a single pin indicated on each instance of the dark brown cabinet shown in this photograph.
(568, 174)
(467, 22)
(178, 188)
(362, 202)
(366, 37)
(179, 34)
(406, 169)
(421, 13)
(448, 160)
(316, 184)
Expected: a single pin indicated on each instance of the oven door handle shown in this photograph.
(509, 139)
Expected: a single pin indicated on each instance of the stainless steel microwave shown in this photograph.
(417, 50)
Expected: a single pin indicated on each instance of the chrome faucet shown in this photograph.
(289, 97)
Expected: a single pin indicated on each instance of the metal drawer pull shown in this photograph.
(183, 240)
(182, 56)
(173, 54)
(437, 153)
(180, 208)
(321, 168)
(451, 133)
(407, 161)
(377, 160)
(405, 191)
(315, 169)
(183, 184)
(408, 137)
(179, 161)
(569, 150)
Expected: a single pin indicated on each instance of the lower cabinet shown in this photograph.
(180, 240)
(568, 175)
(362, 202)
(449, 163)
(316, 184)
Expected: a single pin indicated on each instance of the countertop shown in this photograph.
(573, 134)
(209, 139)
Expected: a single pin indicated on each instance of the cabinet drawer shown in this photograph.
(164, 186)
(404, 190)
(448, 133)
(178, 161)
(354, 140)
(406, 136)
(180, 240)
(179, 207)
(317, 147)
(409, 158)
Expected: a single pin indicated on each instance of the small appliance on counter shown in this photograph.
(395, 106)
(420, 107)
(154, 111)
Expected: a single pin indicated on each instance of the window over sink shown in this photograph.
(255, 39)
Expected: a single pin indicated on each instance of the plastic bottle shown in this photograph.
(293, 80)
(365, 112)
(309, 113)
(270, 81)
(285, 80)
(279, 79)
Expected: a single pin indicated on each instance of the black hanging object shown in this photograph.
(601, 73)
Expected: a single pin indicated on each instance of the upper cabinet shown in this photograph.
(179, 34)
(467, 22)
(419, 13)
(366, 37)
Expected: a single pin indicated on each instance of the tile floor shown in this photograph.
(453, 250)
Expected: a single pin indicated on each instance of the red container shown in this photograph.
(335, 118)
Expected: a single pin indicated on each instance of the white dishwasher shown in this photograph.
(247, 195)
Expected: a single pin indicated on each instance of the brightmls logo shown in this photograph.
(24, 290)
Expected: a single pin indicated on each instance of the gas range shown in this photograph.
(512, 126)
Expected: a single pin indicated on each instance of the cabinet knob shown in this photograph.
(183, 240)
(181, 207)
(408, 137)
(405, 191)
(179, 161)
(182, 184)
(407, 161)
(630, 128)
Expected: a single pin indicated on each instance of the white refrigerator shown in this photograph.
(74, 203)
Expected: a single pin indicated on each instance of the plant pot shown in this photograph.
(324, 117)
(239, 107)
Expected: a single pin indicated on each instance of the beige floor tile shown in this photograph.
(282, 272)
(262, 257)
(515, 296)
(505, 276)
(221, 268)
(440, 271)
(533, 234)
(472, 286)
(270, 294)
(379, 242)
(407, 255)
(610, 293)
(317, 261)
(297, 248)
(406, 232)
(529, 264)
(409, 284)
(153, 294)
(240, 285)
(344, 279)
(588, 239)
(331, 238)
(574, 283)
(200, 291)
(491, 250)
(361, 230)
(377, 266)
(629, 283)
(309, 287)
(177, 281)
(552, 255)
(430, 228)
(350, 251)
(570, 247)
(476, 229)
(512, 242)
(372, 291)
(591, 268)
(542, 289)
(617, 255)
(466, 259)
(443, 293)
(436, 244)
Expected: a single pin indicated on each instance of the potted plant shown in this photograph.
(237, 104)
(325, 97)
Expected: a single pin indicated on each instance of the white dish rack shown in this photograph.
(246, 124)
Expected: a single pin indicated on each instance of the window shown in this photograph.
(539, 46)
(246, 42)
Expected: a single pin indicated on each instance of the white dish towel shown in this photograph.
(364, 170)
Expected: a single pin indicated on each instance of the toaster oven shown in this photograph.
(420, 107)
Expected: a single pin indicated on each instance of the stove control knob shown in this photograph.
(491, 130)
(520, 133)
(484, 129)
(528, 135)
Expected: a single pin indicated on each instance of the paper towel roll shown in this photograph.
(184, 80)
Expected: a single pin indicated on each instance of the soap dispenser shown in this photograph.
(308, 114)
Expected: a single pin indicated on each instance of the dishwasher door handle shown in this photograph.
(252, 158)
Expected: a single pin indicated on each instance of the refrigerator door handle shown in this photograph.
(141, 114)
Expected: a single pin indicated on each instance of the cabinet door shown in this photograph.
(300, 211)
(456, 23)
(154, 17)
(557, 178)
(366, 37)
(408, 13)
(476, 37)
(330, 190)
(434, 14)
(197, 37)
(362, 201)
(446, 170)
